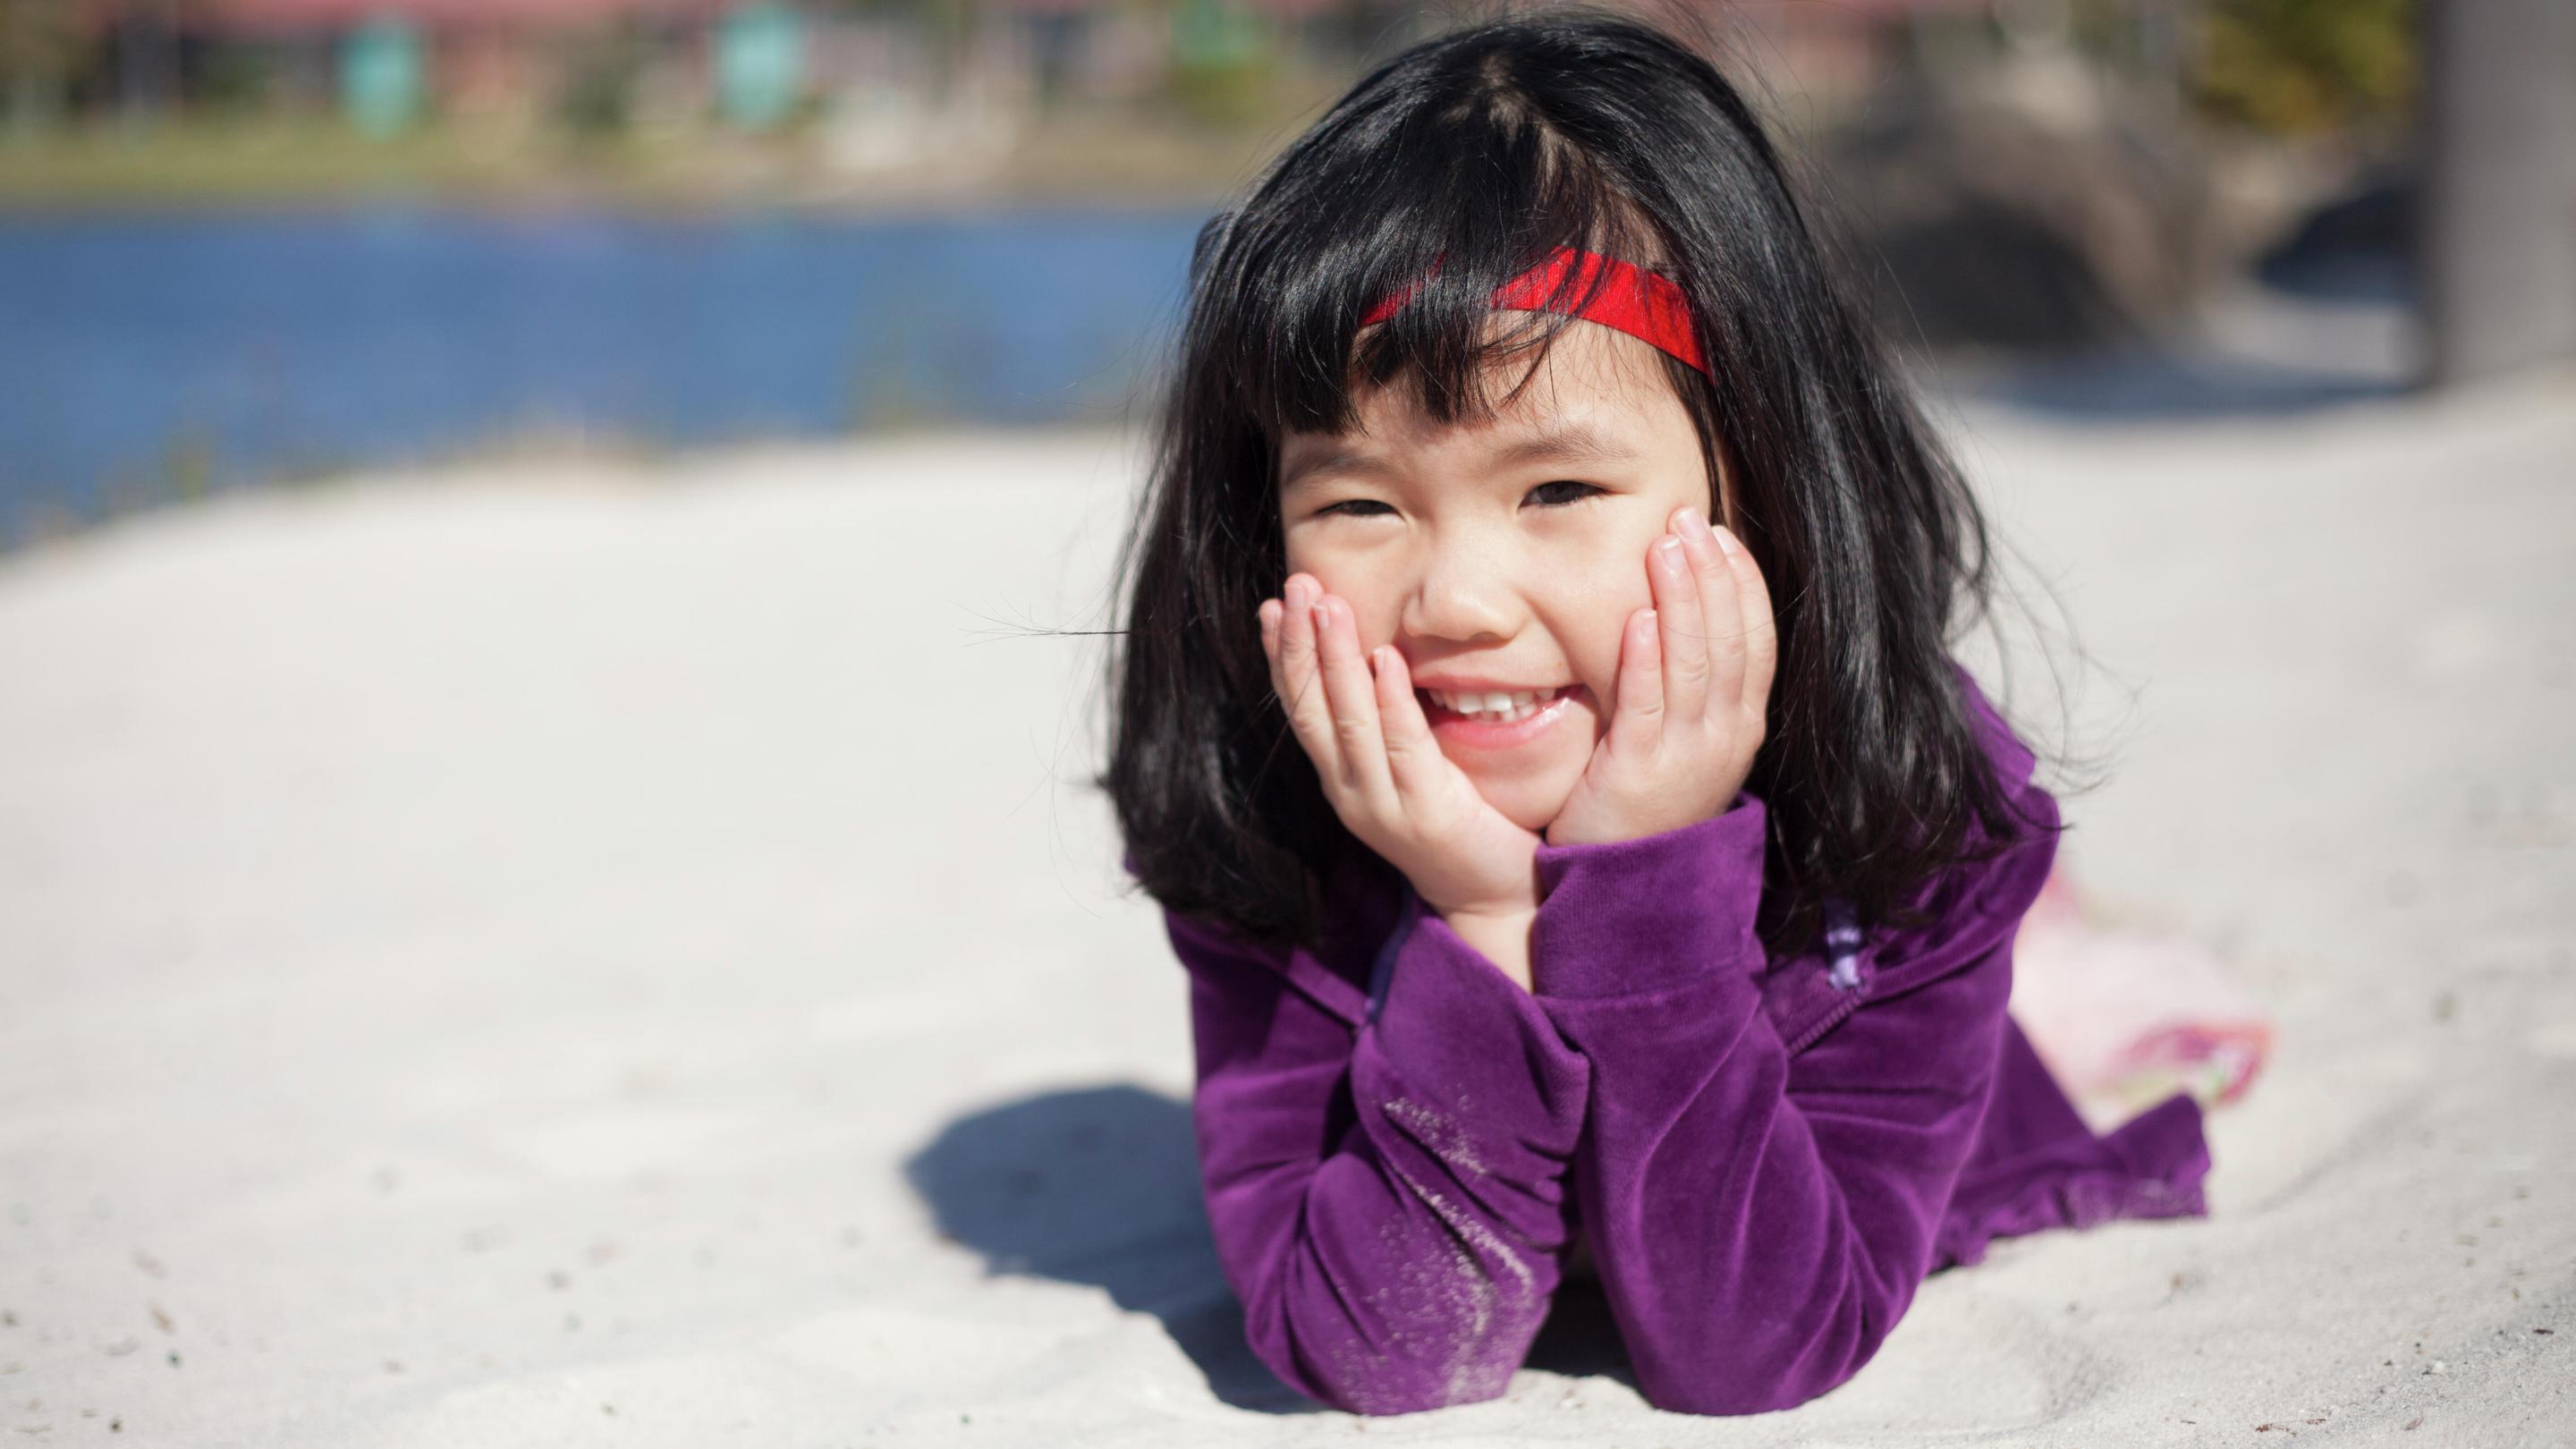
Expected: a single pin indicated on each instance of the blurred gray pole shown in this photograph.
(148, 57)
(2497, 225)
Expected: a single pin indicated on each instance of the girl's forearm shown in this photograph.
(1501, 939)
(1407, 1261)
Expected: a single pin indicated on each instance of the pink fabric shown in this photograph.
(2124, 1016)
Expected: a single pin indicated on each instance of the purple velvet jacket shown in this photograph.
(1402, 1149)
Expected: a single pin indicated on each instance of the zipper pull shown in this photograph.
(1842, 944)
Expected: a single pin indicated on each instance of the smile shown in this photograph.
(1502, 707)
(1525, 717)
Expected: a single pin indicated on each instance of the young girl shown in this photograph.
(1536, 723)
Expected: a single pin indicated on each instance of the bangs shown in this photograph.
(1454, 205)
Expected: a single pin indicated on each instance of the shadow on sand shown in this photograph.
(1100, 1186)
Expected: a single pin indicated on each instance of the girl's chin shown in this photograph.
(1531, 795)
(1529, 804)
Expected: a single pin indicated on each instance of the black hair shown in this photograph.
(1484, 150)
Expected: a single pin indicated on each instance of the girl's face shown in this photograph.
(1504, 556)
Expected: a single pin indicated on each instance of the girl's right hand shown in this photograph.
(1383, 769)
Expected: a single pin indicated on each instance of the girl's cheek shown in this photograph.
(1622, 590)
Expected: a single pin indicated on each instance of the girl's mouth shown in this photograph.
(1498, 731)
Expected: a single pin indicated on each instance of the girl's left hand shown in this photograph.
(1694, 686)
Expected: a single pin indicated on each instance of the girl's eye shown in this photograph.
(1569, 499)
(1565, 500)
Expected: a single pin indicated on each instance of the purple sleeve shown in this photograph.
(1388, 1201)
(1762, 1220)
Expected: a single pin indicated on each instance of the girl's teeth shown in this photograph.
(1503, 708)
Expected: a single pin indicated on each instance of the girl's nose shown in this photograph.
(1460, 597)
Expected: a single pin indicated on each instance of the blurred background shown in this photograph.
(259, 241)
(593, 928)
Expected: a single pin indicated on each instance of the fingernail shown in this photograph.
(1693, 524)
(1726, 540)
(1322, 616)
(1671, 548)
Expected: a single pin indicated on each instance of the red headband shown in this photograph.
(1635, 301)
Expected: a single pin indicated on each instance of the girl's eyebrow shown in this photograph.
(1319, 466)
(1574, 442)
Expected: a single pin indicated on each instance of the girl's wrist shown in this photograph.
(1502, 938)
(1496, 911)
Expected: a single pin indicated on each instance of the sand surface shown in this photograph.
(581, 956)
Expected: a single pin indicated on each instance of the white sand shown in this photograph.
(583, 957)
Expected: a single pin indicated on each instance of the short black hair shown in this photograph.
(1484, 150)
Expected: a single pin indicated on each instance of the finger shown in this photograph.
(1722, 621)
(1760, 629)
(1714, 570)
(1270, 614)
(1353, 696)
(1274, 644)
(1301, 690)
(1412, 751)
(1637, 722)
(1685, 641)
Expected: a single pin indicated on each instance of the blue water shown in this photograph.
(146, 354)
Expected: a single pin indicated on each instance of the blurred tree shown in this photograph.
(2304, 66)
(40, 50)
(236, 76)
(599, 82)
(1222, 59)
(946, 28)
